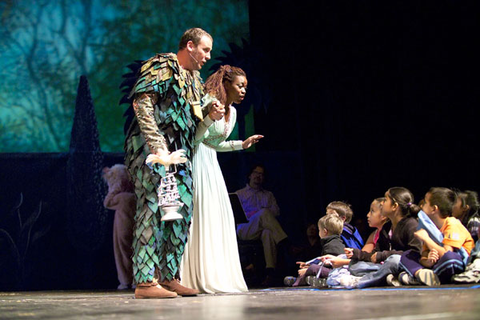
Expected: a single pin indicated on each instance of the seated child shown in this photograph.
(396, 236)
(350, 236)
(330, 227)
(375, 220)
(439, 261)
(466, 210)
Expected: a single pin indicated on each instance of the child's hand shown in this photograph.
(302, 265)
(327, 257)
(301, 272)
(348, 252)
(373, 258)
(336, 263)
(432, 258)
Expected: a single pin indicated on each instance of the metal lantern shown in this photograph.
(168, 195)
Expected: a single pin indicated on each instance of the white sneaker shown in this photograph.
(407, 279)
(471, 274)
(392, 281)
(428, 277)
(348, 281)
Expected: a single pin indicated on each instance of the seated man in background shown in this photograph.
(261, 210)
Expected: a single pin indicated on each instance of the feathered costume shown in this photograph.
(164, 98)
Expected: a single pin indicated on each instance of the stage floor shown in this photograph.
(445, 302)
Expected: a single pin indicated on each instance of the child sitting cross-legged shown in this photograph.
(396, 237)
(375, 220)
(330, 228)
(350, 235)
(440, 258)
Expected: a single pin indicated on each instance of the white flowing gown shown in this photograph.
(211, 261)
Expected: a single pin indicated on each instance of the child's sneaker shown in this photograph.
(471, 274)
(407, 279)
(348, 281)
(313, 281)
(289, 281)
(392, 281)
(428, 277)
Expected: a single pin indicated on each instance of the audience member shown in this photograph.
(466, 210)
(396, 237)
(350, 235)
(330, 227)
(261, 209)
(375, 220)
(440, 258)
(310, 245)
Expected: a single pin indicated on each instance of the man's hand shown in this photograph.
(166, 158)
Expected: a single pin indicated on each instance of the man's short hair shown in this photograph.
(194, 35)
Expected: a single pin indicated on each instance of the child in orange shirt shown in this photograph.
(439, 261)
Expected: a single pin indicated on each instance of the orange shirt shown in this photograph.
(456, 235)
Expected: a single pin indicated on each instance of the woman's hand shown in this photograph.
(217, 111)
(247, 143)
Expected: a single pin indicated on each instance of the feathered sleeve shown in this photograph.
(151, 85)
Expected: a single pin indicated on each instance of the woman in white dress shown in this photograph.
(211, 262)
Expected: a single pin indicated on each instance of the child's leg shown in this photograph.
(361, 268)
(311, 271)
(410, 261)
(324, 272)
(449, 264)
(390, 266)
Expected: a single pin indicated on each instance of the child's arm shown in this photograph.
(432, 245)
(369, 244)
(302, 265)
(334, 261)
(429, 258)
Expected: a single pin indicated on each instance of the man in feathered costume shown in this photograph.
(166, 103)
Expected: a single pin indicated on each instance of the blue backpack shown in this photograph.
(351, 237)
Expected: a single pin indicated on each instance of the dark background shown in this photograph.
(364, 96)
(372, 94)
